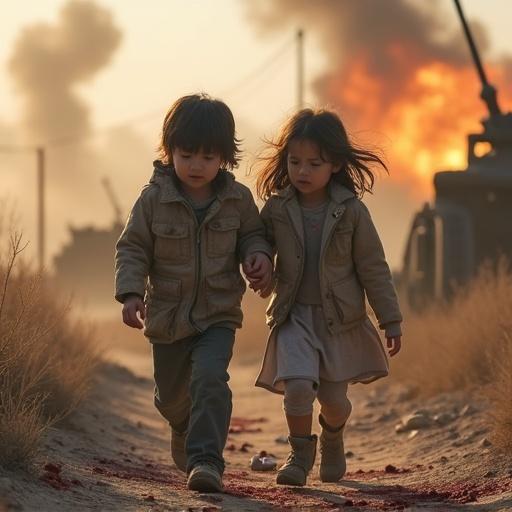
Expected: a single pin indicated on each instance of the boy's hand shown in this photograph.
(394, 344)
(257, 268)
(131, 306)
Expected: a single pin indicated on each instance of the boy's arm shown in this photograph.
(251, 237)
(134, 250)
(373, 272)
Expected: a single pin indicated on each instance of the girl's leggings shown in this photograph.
(299, 395)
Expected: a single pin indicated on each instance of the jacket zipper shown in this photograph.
(197, 269)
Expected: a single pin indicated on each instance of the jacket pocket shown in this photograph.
(172, 241)
(224, 292)
(348, 299)
(162, 300)
(340, 245)
(222, 236)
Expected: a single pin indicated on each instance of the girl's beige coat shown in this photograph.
(352, 262)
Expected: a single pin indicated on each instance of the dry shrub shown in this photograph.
(457, 345)
(499, 394)
(46, 359)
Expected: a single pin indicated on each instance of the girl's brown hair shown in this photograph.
(325, 129)
(199, 123)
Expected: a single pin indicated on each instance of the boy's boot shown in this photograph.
(332, 463)
(300, 461)
(178, 452)
(205, 477)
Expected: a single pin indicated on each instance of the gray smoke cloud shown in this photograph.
(394, 37)
(48, 61)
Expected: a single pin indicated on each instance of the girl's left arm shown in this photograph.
(374, 274)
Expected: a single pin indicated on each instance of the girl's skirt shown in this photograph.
(303, 348)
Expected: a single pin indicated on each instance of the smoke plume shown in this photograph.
(49, 61)
(397, 68)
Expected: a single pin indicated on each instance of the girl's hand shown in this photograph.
(394, 344)
(131, 306)
(257, 268)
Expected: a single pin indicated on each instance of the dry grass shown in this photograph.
(46, 359)
(458, 345)
(466, 344)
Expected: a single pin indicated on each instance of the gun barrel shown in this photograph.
(488, 91)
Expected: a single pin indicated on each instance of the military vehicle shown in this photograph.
(470, 221)
(85, 266)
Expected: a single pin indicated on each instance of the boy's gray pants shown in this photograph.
(192, 392)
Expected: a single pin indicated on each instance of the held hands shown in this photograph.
(394, 345)
(257, 268)
(131, 306)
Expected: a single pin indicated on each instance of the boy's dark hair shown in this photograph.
(200, 123)
(325, 129)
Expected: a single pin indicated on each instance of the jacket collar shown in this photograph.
(165, 177)
(337, 192)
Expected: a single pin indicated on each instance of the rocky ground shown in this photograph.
(403, 454)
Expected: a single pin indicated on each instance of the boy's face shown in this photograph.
(196, 171)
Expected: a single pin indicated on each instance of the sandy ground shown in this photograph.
(113, 454)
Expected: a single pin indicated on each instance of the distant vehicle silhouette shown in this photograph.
(85, 266)
(471, 219)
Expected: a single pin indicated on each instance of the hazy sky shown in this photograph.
(170, 48)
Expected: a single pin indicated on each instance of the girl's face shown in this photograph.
(309, 173)
(196, 171)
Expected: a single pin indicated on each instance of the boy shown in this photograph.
(178, 269)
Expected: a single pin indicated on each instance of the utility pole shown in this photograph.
(40, 200)
(41, 206)
(300, 69)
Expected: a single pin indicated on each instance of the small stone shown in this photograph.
(416, 421)
(443, 459)
(413, 434)
(490, 474)
(444, 418)
(281, 439)
(349, 454)
(485, 442)
(391, 469)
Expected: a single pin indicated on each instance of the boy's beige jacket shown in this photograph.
(189, 274)
(352, 262)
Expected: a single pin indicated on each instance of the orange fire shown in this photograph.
(424, 122)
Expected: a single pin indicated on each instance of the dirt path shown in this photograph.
(113, 455)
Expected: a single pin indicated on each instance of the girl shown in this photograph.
(178, 268)
(328, 257)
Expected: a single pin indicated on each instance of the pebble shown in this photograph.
(490, 474)
(443, 459)
(281, 439)
(415, 421)
(349, 454)
(444, 418)
(485, 442)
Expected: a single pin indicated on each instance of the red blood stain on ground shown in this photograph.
(52, 476)
(145, 471)
(240, 425)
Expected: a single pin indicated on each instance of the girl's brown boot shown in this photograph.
(332, 463)
(300, 461)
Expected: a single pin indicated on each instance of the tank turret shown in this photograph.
(470, 221)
